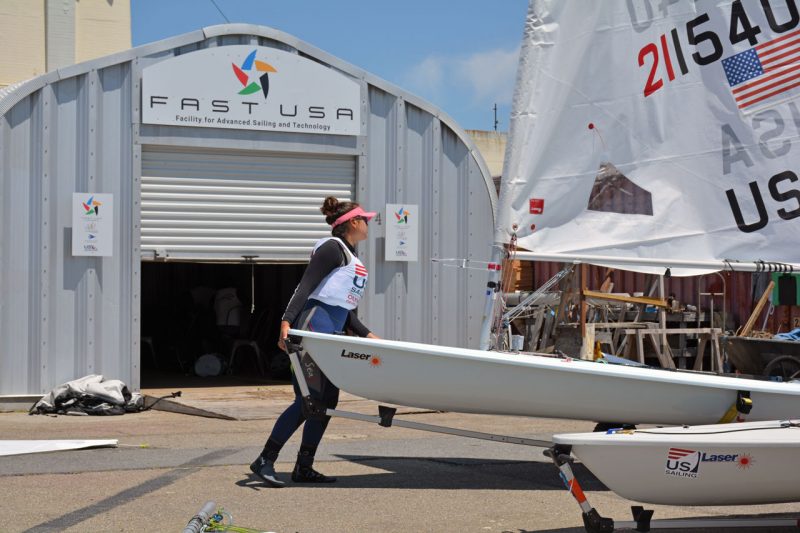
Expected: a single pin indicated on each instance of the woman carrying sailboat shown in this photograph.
(325, 301)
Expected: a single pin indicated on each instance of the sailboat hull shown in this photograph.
(473, 381)
(736, 464)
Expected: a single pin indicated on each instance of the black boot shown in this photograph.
(264, 465)
(304, 472)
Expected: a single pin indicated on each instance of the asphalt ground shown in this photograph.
(390, 479)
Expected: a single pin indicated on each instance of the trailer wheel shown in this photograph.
(786, 367)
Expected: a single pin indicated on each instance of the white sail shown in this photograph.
(665, 130)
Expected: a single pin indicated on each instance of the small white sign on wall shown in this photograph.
(92, 224)
(402, 232)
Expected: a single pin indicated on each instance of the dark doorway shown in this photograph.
(215, 321)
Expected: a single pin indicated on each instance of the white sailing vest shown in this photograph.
(345, 285)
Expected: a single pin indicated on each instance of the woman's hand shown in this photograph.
(371, 335)
(283, 335)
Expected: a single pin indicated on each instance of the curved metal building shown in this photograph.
(192, 192)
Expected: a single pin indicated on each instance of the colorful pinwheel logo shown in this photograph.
(243, 73)
(91, 206)
(402, 216)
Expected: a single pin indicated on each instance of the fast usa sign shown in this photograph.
(252, 88)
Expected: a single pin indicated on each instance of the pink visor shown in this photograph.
(353, 213)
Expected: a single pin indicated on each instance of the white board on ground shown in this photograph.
(20, 447)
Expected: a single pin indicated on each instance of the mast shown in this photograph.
(492, 291)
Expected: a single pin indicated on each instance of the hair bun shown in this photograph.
(329, 206)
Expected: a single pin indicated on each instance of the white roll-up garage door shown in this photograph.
(222, 205)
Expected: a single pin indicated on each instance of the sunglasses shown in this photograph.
(365, 219)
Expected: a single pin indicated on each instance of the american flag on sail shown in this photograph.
(766, 71)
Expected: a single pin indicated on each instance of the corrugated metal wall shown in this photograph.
(425, 163)
(78, 130)
(60, 316)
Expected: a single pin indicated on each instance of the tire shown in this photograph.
(786, 367)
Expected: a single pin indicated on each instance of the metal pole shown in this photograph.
(441, 429)
(584, 273)
(724, 302)
(662, 316)
(251, 259)
(711, 310)
(722, 523)
(298, 374)
(699, 298)
(492, 288)
(252, 288)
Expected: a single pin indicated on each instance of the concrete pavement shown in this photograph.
(390, 480)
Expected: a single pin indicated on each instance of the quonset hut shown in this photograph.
(203, 159)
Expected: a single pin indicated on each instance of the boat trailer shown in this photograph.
(642, 518)
(560, 455)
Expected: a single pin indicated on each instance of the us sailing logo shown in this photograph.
(360, 279)
(683, 463)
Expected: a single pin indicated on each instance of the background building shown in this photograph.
(38, 36)
(492, 145)
(215, 182)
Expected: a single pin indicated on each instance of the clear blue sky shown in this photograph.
(460, 55)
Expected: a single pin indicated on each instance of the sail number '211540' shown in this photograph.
(707, 43)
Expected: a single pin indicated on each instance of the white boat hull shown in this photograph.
(734, 464)
(473, 381)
